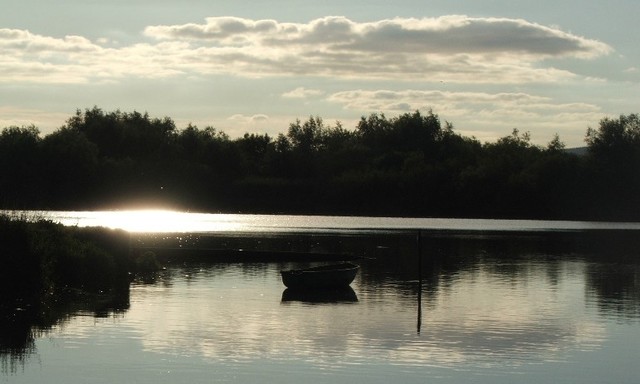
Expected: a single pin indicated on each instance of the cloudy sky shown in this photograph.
(255, 66)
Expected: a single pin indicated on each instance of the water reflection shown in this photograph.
(490, 303)
(615, 289)
(23, 322)
(324, 296)
(478, 316)
(481, 315)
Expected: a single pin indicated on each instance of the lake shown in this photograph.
(488, 301)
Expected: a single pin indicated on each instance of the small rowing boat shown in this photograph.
(326, 276)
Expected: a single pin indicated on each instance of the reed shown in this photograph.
(38, 255)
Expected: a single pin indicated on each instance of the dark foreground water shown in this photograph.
(488, 305)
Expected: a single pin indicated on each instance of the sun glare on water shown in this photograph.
(150, 220)
(173, 221)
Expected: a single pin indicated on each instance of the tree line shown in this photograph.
(409, 165)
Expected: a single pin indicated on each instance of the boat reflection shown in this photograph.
(320, 296)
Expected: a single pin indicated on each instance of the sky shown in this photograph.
(487, 67)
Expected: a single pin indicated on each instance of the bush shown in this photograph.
(40, 255)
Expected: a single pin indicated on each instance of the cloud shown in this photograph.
(457, 48)
(475, 112)
(19, 116)
(454, 48)
(446, 35)
(228, 30)
(28, 43)
(452, 35)
(31, 58)
(385, 100)
(302, 93)
(258, 118)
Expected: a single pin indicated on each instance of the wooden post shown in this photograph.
(419, 240)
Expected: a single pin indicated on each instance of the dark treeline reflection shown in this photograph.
(409, 165)
(389, 263)
(610, 259)
(23, 321)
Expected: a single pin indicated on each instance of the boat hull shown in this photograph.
(329, 276)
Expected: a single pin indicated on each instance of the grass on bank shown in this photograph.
(38, 255)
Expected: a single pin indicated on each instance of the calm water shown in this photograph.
(493, 302)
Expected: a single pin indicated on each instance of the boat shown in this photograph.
(325, 276)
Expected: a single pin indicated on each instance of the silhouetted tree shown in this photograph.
(19, 166)
(70, 168)
(257, 153)
(615, 140)
(374, 131)
(411, 165)
(119, 135)
(614, 150)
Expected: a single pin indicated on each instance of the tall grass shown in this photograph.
(38, 255)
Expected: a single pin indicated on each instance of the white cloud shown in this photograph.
(384, 100)
(453, 48)
(19, 116)
(456, 48)
(302, 93)
(228, 30)
(449, 35)
(27, 57)
(258, 118)
(485, 115)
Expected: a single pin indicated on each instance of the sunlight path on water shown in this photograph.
(173, 221)
(150, 221)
